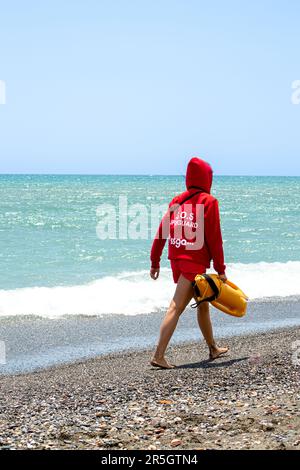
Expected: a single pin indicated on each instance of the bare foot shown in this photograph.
(216, 351)
(162, 363)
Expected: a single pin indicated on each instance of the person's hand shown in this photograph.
(154, 273)
(223, 277)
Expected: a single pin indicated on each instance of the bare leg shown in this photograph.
(205, 326)
(183, 295)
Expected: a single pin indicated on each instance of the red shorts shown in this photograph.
(188, 269)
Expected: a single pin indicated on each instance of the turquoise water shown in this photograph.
(48, 224)
(53, 263)
(65, 294)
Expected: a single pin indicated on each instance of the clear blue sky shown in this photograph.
(140, 86)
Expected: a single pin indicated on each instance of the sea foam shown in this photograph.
(132, 293)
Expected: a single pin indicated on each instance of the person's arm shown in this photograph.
(213, 237)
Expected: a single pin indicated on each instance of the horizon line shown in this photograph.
(141, 174)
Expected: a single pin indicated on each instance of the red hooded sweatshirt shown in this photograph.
(199, 177)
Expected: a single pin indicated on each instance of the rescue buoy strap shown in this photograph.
(189, 197)
(214, 288)
(196, 289)
(184, 200)
(212, 284)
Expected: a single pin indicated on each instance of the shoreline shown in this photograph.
(34, 343)
(249, 399)
(143, 351)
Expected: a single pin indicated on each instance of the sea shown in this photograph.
(74, 258)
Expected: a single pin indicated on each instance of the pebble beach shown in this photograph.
(249, 399)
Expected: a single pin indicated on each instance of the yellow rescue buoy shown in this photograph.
(225, 296)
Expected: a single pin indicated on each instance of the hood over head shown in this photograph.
(199, 174)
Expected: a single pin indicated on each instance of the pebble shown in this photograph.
(267, 426)
(117, 402)
(176, 442)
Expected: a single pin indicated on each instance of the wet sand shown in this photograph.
(35, 342)
(249, 399)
